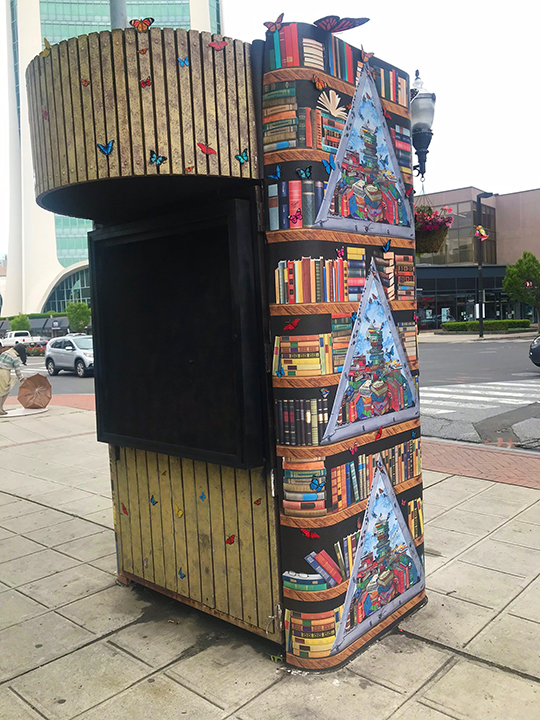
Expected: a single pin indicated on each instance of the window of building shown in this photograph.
(73, 288)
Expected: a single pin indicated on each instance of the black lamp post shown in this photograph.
(422, 113)
(479, 249)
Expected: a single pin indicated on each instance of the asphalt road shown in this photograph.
(65, 383)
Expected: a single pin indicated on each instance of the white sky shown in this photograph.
(479, 57)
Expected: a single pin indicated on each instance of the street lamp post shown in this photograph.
(479, 249)
(422, 113)
(118, 14)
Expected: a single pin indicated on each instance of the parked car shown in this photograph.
(534, 351)
(21, 336)
(72, 352)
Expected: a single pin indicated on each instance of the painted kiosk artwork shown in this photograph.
(274, 479)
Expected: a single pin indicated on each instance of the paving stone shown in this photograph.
(491, 588)
(464, 485)
(503, 556)
(446, 543)
(322, 697)
(90, 504)
(17, 509)
(510, 641)
(34, 487)
(448, 620)
(520, 533)
(527, 605)
(417, 711)
(36, 641)
(34, 521)
(64, 532)
(157, 697)
(531, 515)
(514, 492)
(404, 664)
(17, 547)
(13, 708)
(7, 499)
(107, 610)
(468, 522)
(475, 692)
(5, 534)
(34, 567)
(16, 608)
(431, 511)
(89, 548)
(443, 496)
(68, 585)
(78, 681)
(431, 477)
(487, 504)
(57, 498)
(108, 563)
(103, 517)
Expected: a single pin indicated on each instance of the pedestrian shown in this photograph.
(11, 359)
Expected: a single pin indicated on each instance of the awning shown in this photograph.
(37, 325)
(56, 323)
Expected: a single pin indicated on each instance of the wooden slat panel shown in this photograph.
(167, 522)
(177, 492)
(122, 107)
(190, 514)
(155, 518)
(199, 126)
(245, 169)
(124, 521)
(46, 125)
(172, 68)
(75, 135)
(147, 103)
(190, 150)
(252, 121)
(219, 554)
(343, 238)
(34, 126)
(207, 64)
(109, 101)
(221, 112)
(161, 107)
(134, 512)
(53, 129)
(203, 534)
(144, 516)
(247, 552)
(69, 133)
(88, 109)
(274, 556)
(233, 551)
(113, 470)
(232, 103)
(134, 100)
(97, 101)
(261, 546)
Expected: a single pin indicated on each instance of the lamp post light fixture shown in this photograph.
(479, 254)
(422, 113)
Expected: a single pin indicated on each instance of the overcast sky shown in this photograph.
(479, 57)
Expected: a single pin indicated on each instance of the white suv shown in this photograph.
(72, 352)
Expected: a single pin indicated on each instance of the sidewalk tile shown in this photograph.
(514, 492)
(505, 557)
(89, 504)
(35, 521)
(417, 711)
(487, 504)
(108, 609)
(17, 509)
(34, 567)
(532, 515)
(65, 532)
(467, 522)
(107, 564)
(520, 533)
(510, 641)
(34, 487)
(476, 692)
(4, 534)
(13, 708)
(37, 641)
(89, 548)
(159, 698)
(99, 485)
(430, 477)
(486, 587)
(103, 517)
(57, 498)
(384, 663)
(431, 511)
(465, 485)
(16, 608)
(7, 499)
(446, 543)
(17, 547)
(79, 681)
(68, 585)
(448, 620)
(323, 696)
(527, 605)
(439, 495)
(227, 675)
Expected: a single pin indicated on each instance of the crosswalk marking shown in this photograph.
(449, 399)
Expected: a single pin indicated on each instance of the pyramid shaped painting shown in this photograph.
(365, 191)
(387, 571)
(376, 387)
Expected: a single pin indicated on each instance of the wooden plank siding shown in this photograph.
(90, 86)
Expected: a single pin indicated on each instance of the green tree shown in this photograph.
(20, 322)
(522, 281)
(78, 315)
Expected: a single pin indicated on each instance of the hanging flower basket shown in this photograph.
(431, 228)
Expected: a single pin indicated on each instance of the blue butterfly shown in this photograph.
(203, 496)
(280, 372)
(329, 164)
(184, 62)
(182, 575)
(386, 246)
(384, 160)
(243, 158)
(157, 159)
(106, 149)
(277, 176)
(317, 485)
(304, 173)
(325, 393)
(353, 317)
(390, 352)
(413, 433)
(153, 500)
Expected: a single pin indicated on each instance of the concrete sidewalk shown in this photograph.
(434, 337)
(73, 644)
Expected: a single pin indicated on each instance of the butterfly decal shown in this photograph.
(386, 114)
(409, 191)
(182, 575)
(340, 252)
(230, 539)
(277, 176)
(349, 106)
(184, 62)
(47, 49)
(354, 317)
(316, 484)
(206, 149)
(84, 82)
(142, 25)
(243, 157)
(366, 57)
(414, 433)
(390, 352)
(386, 246)
(202, 496)
(146, 83)
(304, 173)
(368, 96)
(189, 169)
(276, 658)
(296, 217)
(275, 26)
(124, 509)
(329, 164)
(153, 500)
(324, 392)
(177, 511)
(403, 502)
(164, 472)
(280, 372)
(106, 149)
(335, 24)
(291, 325)
(217, 44)
(378, 434)
(44, 114)
(319, 84)
(156, 159)
(354, 449)
(143, 51)
(309, 534)
(415, 317)
(257, 501)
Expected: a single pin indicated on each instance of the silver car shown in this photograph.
(72, 352)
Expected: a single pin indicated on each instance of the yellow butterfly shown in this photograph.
(47, 51)
(177, 511)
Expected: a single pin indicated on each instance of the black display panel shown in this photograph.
(179, 362)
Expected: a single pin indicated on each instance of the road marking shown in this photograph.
(450, 403)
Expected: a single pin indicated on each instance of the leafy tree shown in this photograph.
(522, 281)
(78, 315)
(20, 322)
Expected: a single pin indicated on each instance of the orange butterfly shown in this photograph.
(86, 83)
(319, 84)
(365, 56)
(146, 83)
(206, 149)
(275, 26)
(230, 539)
(190, 168)
(142, 25)
(143, 51)
(217, 44)
(257, 501)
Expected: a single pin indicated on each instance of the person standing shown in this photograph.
(11, 359)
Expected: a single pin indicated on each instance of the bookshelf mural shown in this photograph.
(341, 272)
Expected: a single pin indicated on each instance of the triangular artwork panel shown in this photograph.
(376, 388)
(387, 571)
(366, 192)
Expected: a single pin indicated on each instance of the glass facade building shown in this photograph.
(74, 288)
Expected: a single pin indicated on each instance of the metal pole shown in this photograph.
(118, 14)
(480, 271)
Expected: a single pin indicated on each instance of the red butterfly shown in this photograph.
(319, 84)
(142, 25)
(403, 502)
(164, 472)
(334, 24)
(217, 44)
(349, 106)
(309, 533)
(415, 317)
(296, 217)
(143, 51)
(409, 191)
(257, 501)
(86, 83)
(44, 114)
(230, 539)
(340, 252)
(354, 449)
(190, 168)
(206, 149)
(275, 26)
(386, 114)
(379, 433)
(146, 83)
(365, 56)
(292, 325)
(124, 509)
